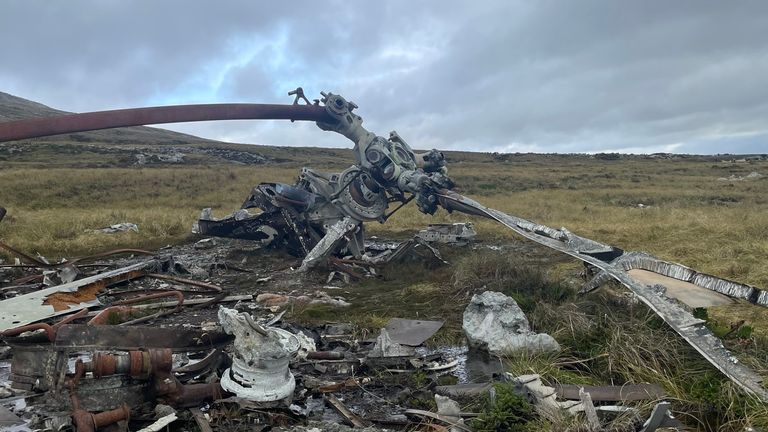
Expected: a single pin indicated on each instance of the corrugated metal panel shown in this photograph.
(729, 288)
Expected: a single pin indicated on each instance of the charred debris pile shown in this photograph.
(209, 336)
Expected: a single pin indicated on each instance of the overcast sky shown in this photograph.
(542, 76)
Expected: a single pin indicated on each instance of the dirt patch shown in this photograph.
(686, 292)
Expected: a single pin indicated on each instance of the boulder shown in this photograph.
(494, 322)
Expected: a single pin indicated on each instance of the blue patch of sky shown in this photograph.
(212, 82)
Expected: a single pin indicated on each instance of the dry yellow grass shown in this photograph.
(715, 226)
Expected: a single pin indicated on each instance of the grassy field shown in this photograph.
(720, 227)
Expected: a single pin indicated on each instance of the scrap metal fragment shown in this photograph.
(658, 415)
(385, 347)
(160, 424)
(593, 422)
(412, 332)
(456, 233)
(545, 397)
(596, 282)
(36, 306)
(122, 308)
(199, 301)
(329, 242)
(208, 287)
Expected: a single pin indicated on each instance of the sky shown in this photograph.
(500, 76)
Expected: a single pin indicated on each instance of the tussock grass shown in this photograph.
(717, 227)
(613, 340)
(609, 338)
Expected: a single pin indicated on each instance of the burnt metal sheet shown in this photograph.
(29, 308)
(632, 392)
(412, 332)
(69, 123)
(137, 337)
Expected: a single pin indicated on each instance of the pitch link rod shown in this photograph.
(70, 123)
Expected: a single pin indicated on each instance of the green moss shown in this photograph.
(508, 411)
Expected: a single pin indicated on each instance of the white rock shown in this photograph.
(494, 321)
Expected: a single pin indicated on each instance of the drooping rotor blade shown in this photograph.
(692, 329)
(70, 123)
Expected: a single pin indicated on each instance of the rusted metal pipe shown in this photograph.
(50, 330)
(70, 123)
(88, 422)
(119, 307)
(24, 256)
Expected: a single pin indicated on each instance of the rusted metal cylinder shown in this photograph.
(138, 364)
(103, 364)
(195, 394)
(161, 361)
(325, 355)
(88, 422)
(69, 123)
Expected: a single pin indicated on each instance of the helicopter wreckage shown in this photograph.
(322, 216)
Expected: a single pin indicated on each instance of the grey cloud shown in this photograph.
(490, 76)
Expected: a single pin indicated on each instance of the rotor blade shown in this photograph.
(69, 123)
(691, 329)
